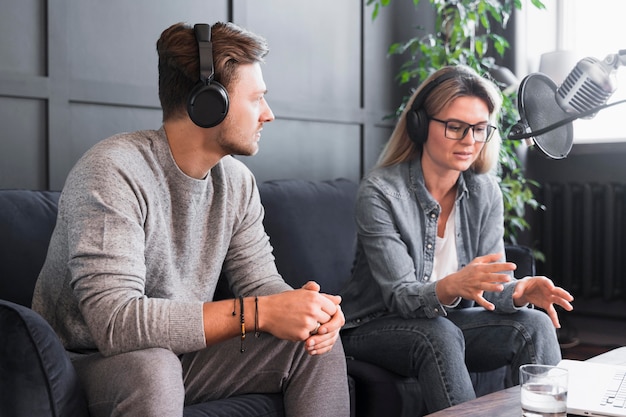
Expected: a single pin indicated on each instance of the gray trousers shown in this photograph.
(156, 382)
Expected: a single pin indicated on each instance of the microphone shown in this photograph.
(589, 84)
(547, 112)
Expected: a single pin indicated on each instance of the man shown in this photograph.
(147, 222)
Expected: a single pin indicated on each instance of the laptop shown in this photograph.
(596, 389)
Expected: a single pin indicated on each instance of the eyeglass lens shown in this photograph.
(458, 130)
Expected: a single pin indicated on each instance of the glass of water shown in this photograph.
(544, 390)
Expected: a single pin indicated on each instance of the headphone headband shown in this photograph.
(205, 51)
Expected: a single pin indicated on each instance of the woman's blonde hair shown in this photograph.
(467, 83)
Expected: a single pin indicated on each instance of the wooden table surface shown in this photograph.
(505, 403)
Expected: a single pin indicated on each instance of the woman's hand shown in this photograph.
(484, 273)
(542, 292)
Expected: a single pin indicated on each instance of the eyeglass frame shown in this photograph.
(469, 126)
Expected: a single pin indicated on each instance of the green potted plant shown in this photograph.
(467, 36)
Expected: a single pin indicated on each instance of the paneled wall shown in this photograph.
(73, 72)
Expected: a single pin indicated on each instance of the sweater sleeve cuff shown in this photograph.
(186, 327)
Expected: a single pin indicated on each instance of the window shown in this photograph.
(586, 29)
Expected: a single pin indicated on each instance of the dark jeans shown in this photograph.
(442, 351)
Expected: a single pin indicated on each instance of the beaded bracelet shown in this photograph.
(257, 331)
(243, 323)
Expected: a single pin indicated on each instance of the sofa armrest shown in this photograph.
(37, 377)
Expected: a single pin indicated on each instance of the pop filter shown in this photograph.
(539, 109)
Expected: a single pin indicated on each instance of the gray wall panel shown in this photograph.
(92, 67)
(91, 123)
(115, 41)
(22, 37)
(306, 150)
(23, 155)
(315, 52)
(396, 23)
(374, 145)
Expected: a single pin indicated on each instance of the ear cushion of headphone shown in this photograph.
(208, 104)
(417, 125)
(417, 118)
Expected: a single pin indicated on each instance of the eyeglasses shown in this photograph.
(456, 130)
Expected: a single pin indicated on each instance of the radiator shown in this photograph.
(583, 231)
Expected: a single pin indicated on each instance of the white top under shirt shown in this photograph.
(446, 261)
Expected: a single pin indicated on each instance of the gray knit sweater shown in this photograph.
(139, 246)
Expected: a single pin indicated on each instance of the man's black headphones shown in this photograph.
(417, 118)
(208, 101)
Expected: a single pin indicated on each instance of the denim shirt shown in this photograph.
(396, 220)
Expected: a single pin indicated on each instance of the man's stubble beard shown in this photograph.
(241, 148)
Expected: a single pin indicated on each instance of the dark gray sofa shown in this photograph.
(312, 230)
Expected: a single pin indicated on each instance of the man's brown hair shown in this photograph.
(179, 61)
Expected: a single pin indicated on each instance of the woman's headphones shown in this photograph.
(417, 118)
(208, 101)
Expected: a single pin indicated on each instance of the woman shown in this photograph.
(430, 241)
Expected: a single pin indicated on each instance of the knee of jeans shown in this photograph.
(539, 321)
(538, 326)
(448, 331)
(443, 337)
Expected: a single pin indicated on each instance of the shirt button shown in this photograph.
(429, 246)
(432, 215)
(436, 310)
(358, 320)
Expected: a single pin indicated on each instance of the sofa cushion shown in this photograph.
(36, 375)
(27, 219)
(311, 227)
